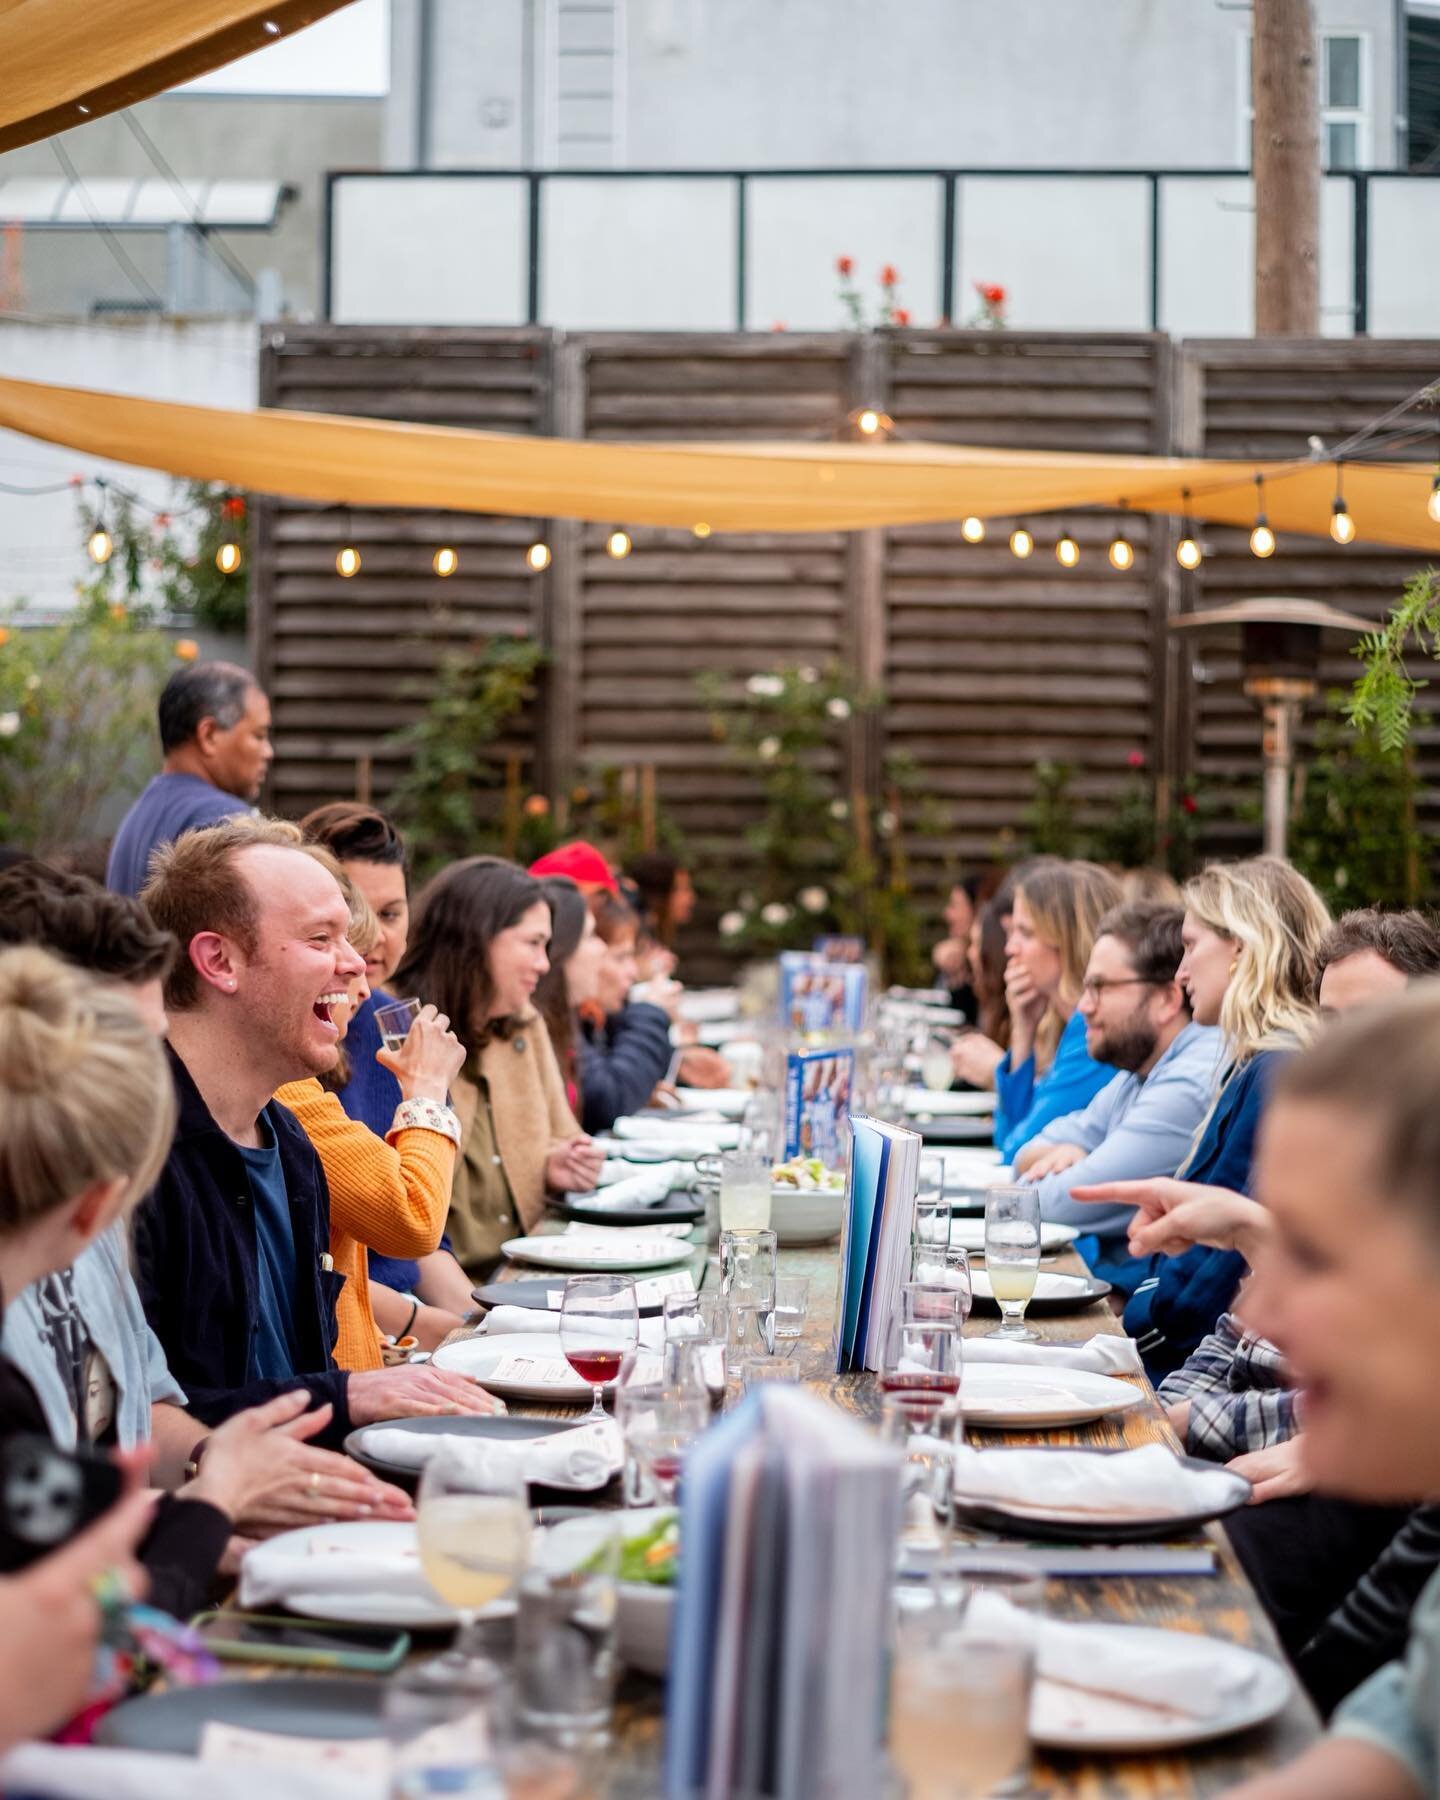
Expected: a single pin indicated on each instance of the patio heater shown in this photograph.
(1280, 659)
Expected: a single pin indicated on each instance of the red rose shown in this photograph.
(1136, 759)
(844, 265)
(1188, 803)
(900, 316)
(233, 507)
(889, 276)
(995, 295)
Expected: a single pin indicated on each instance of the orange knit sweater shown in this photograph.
(386, 1194)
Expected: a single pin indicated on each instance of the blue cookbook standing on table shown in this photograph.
(818, 998)
(818, 1084)
(875, 1237)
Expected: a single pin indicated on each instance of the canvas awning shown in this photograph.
(784, 487)
(66, 61)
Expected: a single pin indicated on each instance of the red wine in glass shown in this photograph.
(598, 1366)
(923, 1393)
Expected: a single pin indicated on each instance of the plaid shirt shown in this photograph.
(1236, 1384)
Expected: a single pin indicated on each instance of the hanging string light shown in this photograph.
(1432, 505)
(1021, 542)
(1121, 551)
(1067, 551)
(871, 422)
(700, 529)
(1262, 538)
(1342, 526)
(618, 544)
(973, 530)
(537, 557)
(100, 544)
(347, 561)
(1187, 552)
(228, 558)
(445, 560)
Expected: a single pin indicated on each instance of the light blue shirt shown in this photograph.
(111, 1322)
(1134, 1127)
(1398, 1708)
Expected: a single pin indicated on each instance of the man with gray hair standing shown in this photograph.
(215, 736)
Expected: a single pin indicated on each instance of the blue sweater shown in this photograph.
(1027, 1104)
(1181, 1297)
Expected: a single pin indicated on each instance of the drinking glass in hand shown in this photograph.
(1012, 1256)
(473, 1527)
(599, 1324)
(394, 1021)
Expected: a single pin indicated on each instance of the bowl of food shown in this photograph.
(649, 1560)
(807, 1201)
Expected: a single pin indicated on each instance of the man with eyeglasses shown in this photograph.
(1143, 1123)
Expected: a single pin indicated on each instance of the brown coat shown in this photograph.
(532, 1118)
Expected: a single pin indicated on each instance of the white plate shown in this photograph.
(704, 1006)
(695, 1136)
(969, 1234)
(422, 1611)
(479, 1356)
(1047, 1286)
(1067, 1718)
(805, 1215)
(1022, 1397)
(938, 1104)
(730, 1103)
(638, 1249)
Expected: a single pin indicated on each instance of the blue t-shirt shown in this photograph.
(273, 1353)
(170, 806)
(371, 1095)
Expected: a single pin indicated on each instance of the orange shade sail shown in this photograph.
(65, 61)
(776, 487)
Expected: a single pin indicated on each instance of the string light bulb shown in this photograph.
(1432, 505)
(1067, 551)
(700, 529)
(347, 561)
(537, 557)
(445, 560)
(228, 558)
(973, 530)
(867, 421)
(1187, 552)
(1021, 542)
(618, 544)
(1342, 526)
(1121, 552)
(101, 545)
(1262, 538)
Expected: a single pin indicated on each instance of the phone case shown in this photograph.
(368, 1662)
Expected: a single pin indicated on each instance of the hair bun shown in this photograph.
(45, 1027)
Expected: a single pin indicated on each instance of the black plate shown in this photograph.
(991, 1516)
(492, 1425)
(678, 1209)
(961, 1129)
(532, 1293)
(302, 1706)
(1054, 1306)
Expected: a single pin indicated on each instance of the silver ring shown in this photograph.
(314, 1482)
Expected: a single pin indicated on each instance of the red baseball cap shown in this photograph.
(583, 863)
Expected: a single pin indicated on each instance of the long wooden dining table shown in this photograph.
(1222, 1604)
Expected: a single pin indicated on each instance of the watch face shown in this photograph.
(42, 1494)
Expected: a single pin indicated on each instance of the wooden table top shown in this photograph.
(1221, 1605)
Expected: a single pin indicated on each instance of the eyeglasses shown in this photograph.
(1094, 988)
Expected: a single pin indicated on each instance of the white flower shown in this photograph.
(768, 748)
(765, 687)
(813, 899)
(731, 924)
(838, 708)
(839, 809)
(31, 683)
(776, 913)
(887, 823)
(9, 724)
(809, 675)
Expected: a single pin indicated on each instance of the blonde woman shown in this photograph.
(1047, 1071)
(1252, 935)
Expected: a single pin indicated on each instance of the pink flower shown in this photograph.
(844, 265)
(1136, 759)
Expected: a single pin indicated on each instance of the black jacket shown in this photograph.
(197, 1265)
(620, 1062)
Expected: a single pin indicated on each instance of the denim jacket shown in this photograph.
(196, 1265)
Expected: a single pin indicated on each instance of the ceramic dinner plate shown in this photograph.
(636, 1250)
(417, 1608)
(592, 1209)
(1053, 1293)
(1021, 1396)
(298, 1706)
(1068, 1718)
(927, 1102)
(969, 1234)
(490, 1425)
(533, 1292)
(1070, 1525)
(548, 1376)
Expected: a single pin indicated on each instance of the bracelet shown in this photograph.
(414, 1309)
(425, 1115)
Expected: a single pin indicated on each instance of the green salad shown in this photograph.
(651, 1556)
(809, 1174)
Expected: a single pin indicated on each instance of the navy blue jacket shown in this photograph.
(621, 1062)
(196, 1265)
(1180, 1298)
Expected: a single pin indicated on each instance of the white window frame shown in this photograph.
(1362, 117)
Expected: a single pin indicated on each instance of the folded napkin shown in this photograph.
(83, 1772)
(1103, 1354)
(583, 1459)
(273, 1572)
(686, 1133)
(1185, 1677)
(533, 1322)
(649, 1186)
(1140, 1483)
(729, 1103)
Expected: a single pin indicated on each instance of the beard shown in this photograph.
(1127, 1046)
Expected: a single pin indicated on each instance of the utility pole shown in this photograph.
(1286, 158)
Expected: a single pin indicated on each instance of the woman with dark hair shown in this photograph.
(478, 951)
(625, 1044)
(577, 952)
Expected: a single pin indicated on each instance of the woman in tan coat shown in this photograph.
(478, 948)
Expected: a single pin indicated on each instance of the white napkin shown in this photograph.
(1186, 1676)
(1107, 1353)
(87, 1772)
(582, 1459)
(647, 1186)
(273, 1572)
(502, 1319)
(730, 1103)
(1132, 1483)
(655, 1128)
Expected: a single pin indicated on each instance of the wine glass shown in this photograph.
(1012, 1256)
(599, 1324)
(473, 1529)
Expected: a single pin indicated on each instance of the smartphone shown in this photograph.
(301, 1643)
(47, 1494)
